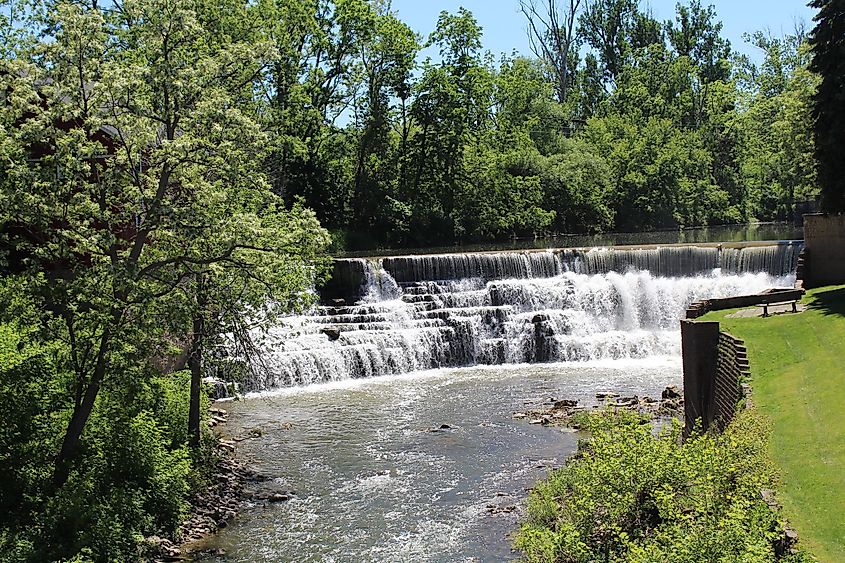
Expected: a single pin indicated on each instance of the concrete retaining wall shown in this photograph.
(700, 308)
(346, 283)
(715, 366)
(824, 242)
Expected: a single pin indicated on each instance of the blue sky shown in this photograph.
(504, 26)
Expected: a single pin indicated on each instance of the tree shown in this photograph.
(829, 107)
(606, 26)
(386, 60)
(451, 109)
(777, 159)
(147, 175)
(552, 33)
(697, 36)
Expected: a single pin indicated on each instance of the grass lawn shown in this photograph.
(798, 380)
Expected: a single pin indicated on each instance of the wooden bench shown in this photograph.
(766, 306)
(782, 297)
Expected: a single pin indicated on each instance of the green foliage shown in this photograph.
(134, 471)
(829, 104)
(777, 163)
(633, 495)
(136, 211)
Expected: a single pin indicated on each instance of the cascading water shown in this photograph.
(425, 312)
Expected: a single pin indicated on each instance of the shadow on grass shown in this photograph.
(830, 302)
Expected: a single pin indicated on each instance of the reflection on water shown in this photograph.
(721, 233)
(373, 482)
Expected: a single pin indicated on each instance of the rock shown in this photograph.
(445, 427)
(339, 302)
(279, 497)
(227, 445)
(539, 318)
(331, 332)
(520, 415)
(671, 392)
(536, 421)
(768, 496)
(565, 403)
(603, 395)
(219, 389)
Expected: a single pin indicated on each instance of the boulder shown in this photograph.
(671, 392)
(565, 403)
(331, 332)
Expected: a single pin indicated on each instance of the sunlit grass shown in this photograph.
(798, 379)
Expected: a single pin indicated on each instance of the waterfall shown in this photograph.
(423, 312)
(774, 259)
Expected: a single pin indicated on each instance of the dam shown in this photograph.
(400, 314)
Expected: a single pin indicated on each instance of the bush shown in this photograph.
(631, 494)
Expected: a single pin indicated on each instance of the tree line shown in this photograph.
(616, 121)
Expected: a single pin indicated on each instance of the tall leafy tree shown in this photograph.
(777, 159)
(451, 108)
(606, 27)
(386, 60)
(140, 164)
(829, 109)
(697, 34)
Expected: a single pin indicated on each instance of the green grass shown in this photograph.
(798, 380)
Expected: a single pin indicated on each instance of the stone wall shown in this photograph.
(346, 283)
(715, 366)
(824, 242)
(731, 371)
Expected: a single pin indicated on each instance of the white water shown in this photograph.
(568, 316)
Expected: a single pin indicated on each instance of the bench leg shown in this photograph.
(794, 306)
(765, 310)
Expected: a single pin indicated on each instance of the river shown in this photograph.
(391, 419)
(376, 479)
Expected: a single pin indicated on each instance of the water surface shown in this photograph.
(375, 482)
(692, 235)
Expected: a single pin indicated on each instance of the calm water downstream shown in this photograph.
(373, 482)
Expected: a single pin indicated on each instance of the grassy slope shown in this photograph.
(798, 378)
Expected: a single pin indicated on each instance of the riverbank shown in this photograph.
(633, 494)
(797, 373)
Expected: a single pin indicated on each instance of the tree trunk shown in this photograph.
(195, 363)
(82, 411)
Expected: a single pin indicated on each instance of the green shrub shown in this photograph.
(132, 476)
(631, 494)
